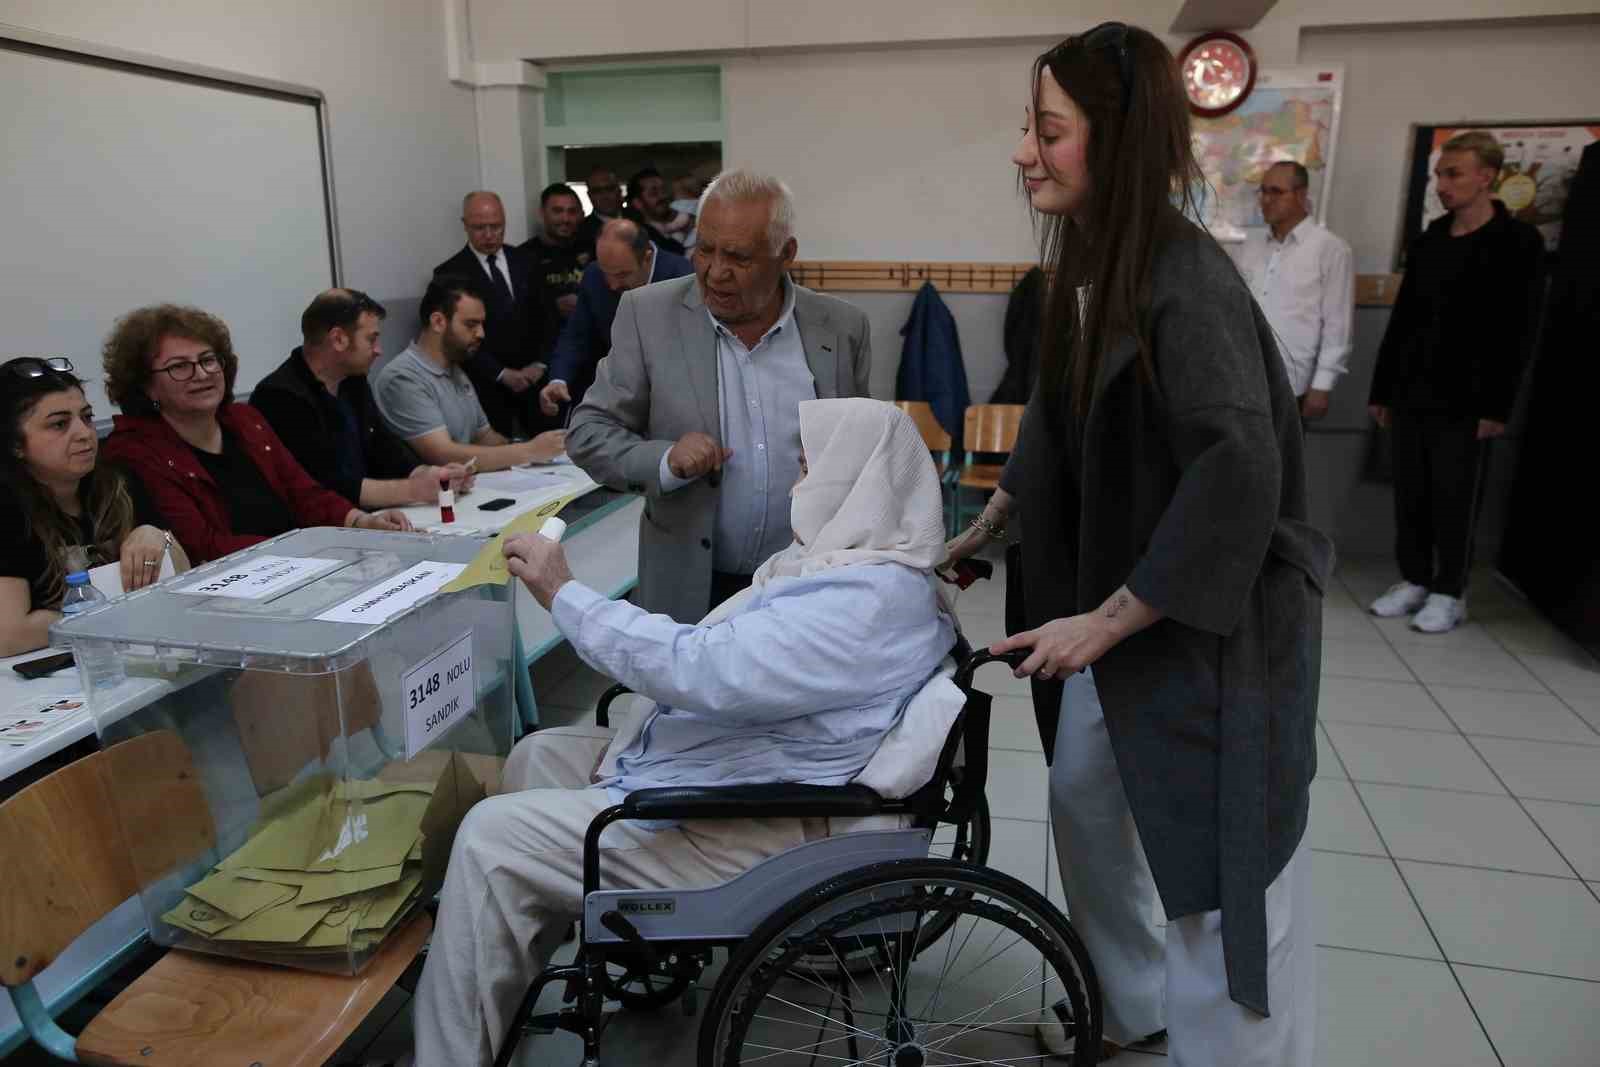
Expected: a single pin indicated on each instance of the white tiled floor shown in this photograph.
(1455, 817)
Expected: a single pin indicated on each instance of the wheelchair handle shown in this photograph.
(970, 665)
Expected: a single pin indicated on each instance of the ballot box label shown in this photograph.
(382, 602)
(439, 694)
(257, 578)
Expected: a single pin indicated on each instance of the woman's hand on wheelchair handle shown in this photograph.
(1060, 647)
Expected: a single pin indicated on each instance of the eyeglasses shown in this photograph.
(604, 190)
(486, 227)
(182, 370)
(1269, 191)
(38, 366)
(1112, 35)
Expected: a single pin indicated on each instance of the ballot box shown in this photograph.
(293, 734)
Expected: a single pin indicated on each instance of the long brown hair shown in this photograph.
(103, 491)
(1142, 173)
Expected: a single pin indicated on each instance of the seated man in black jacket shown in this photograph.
(318, 403)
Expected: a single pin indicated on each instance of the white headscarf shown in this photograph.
(870, 494)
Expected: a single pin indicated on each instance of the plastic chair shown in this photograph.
(991, 429)
(68, 864)
(937, 440)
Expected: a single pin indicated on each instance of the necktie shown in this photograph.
(501, 286)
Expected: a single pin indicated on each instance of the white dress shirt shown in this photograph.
(1305, 285)
(759, 391)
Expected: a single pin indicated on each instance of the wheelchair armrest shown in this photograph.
(602, 711)
(780, 801)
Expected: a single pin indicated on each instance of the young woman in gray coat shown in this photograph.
(1172, 583)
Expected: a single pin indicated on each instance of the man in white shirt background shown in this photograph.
(1303, 278)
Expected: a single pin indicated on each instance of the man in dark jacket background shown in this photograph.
(318, 404)
(1447, 376)
(625, 259)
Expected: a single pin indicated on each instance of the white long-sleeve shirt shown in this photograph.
(1306, 286)
(800, 686)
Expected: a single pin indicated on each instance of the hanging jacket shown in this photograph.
(931, 368)
(1024, 308)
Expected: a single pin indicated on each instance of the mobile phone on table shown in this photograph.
(44, 665)
(499, 503)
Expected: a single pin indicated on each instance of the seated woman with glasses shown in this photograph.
(63, 498)
(212, 465)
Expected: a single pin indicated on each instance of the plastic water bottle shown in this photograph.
(99, 666)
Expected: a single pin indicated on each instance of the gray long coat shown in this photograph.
(1193, 494)
(659, 383)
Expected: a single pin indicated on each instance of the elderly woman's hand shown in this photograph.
(142, 550)
(540, 563)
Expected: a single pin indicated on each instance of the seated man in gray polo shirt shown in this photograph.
(427, 399)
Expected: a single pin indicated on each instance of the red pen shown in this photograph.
(447, 501)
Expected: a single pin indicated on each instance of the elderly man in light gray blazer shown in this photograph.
(698, 404)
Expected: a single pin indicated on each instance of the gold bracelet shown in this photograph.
(987, 528)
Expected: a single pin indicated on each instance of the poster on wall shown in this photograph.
(1291, 114)
(1541, 161)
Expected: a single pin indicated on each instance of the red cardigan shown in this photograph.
(190, 499)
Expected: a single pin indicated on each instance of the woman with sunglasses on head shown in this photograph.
(63, 498)
(1173, 586)
(213, 465)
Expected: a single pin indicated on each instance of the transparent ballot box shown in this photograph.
(295, 732)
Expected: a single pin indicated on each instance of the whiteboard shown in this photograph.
(127, 184)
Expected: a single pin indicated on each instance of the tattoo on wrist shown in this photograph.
(1117, 605)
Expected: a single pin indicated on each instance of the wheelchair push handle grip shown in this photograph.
(983, 656)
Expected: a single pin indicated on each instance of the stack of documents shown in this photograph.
(332, 867)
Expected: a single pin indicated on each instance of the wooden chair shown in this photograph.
(989, 428)
(937, 440)
(68, 863)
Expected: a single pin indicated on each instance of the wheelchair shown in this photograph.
(887, 946)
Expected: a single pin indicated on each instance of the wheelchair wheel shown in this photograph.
(967, 842)
(972, 999)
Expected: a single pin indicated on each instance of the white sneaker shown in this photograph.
(1403, 598)
(1440, 614)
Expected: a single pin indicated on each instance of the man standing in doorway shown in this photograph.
(1447, 376)
(1301, 275)
(605, 204)
(558, 260)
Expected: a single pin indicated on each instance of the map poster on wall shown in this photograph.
(1541, 161)
(1291, 114)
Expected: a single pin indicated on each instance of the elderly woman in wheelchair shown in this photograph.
(740, 810)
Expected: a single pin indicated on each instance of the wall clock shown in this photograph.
(1218, 71)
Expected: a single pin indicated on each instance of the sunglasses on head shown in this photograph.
(38, 366)
(1113, 35)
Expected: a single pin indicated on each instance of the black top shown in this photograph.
(253, 507)
(1464, 320)
(317, 428)
(23, 555)
(558, 270)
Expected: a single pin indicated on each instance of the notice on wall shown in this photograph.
(258, 577)
(439, 693)
(378, 603)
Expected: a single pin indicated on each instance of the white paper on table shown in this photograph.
(395, 594)
(108, 578)
(524, 479)
(258, 578)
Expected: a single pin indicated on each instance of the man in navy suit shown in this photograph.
(506, 371)
(625, 258)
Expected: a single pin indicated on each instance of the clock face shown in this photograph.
(1218, 71)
